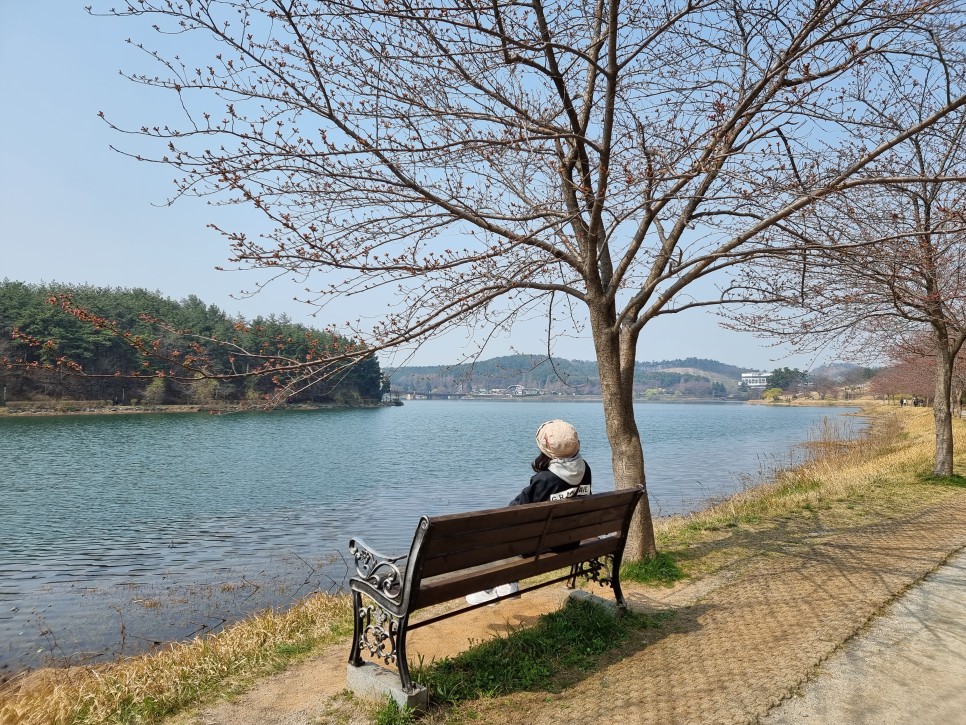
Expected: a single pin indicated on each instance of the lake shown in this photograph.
(121, 532)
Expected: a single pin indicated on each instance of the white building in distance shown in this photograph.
(755, 380)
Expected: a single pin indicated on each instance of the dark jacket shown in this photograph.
(547, 486)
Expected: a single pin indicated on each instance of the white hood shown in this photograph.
(570, 470)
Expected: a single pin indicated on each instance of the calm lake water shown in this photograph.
(118, 533)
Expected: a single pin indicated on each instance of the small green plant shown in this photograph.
(953, 480)
(796, 485)
(156, 392)
(660, 569)
(772, 394)
(295, 649)
(392, 714)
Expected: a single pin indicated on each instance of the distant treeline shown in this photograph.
(566, 377)
(38, 336)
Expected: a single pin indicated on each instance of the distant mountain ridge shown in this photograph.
(690, 377)
(710, 366)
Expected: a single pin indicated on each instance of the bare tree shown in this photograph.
(913, 372)
(488, 161)
(906, 378)
(883, 269)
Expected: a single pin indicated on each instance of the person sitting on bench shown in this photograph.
(559, 473)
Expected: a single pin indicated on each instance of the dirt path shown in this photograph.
(740, 642)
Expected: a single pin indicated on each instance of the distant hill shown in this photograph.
(690, 377)
(709, 366)
(844, 372)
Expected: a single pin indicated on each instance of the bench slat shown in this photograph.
(444, 588)
(609, 519)
(519, 530)
(464, 523)
(447, 561)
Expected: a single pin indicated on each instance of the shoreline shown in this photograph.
(81, 407)
(25, 409)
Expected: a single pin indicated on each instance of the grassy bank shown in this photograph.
(848, 482)
(144, 689)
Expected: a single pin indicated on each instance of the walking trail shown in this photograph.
(741, 641)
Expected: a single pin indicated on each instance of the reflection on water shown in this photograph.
(121, 532)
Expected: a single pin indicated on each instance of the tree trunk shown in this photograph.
(615, 364)
(942, 413)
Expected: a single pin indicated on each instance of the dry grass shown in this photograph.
(143, 689)
(848, 480)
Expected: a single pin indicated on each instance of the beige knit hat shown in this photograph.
(558, 439)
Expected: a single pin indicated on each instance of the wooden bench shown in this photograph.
(455, 555)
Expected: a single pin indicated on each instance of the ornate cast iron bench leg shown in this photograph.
(355, 658)
(402, 662)
(383, 635)
(605, 574)
(615, 584)
(572, 581)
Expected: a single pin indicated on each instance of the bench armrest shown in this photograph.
(383, 573)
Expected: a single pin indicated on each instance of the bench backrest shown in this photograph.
(458, 542)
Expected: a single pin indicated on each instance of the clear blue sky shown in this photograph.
(74, 211)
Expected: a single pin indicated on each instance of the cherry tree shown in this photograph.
(487, 162)
(908, 377)
(883, 269)
(912, 370)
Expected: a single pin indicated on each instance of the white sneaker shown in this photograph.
(479, 597)
(505, 590)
